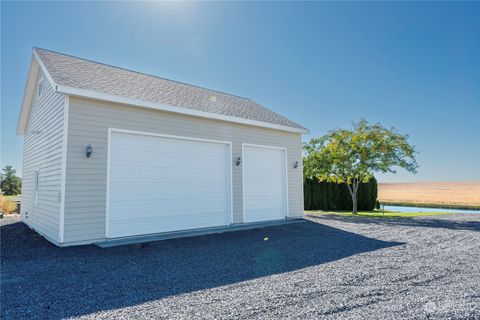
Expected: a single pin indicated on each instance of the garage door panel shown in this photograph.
(164, 163)
(160, 184)
(261, 214)
(256, 184)
(173, 146)
(267, 200)
(178, 186)
(264, 183)
(170, 215)
(164, 224)
(166, 208)
(209, 183)
(125, 194)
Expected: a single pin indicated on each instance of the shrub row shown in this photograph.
(320, 195)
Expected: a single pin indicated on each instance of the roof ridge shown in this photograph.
(143, 73)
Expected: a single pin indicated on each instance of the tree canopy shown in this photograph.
(352, 156)
(10, 184)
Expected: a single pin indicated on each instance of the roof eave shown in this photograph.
(174, 109)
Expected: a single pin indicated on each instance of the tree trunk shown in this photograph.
(356, 183)
(353, 192)
(354, 202)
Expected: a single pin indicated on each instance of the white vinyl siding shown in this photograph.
(42, 161)
(89, 121)
(40, 88)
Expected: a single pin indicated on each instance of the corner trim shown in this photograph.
(66, 113)
(107, 197)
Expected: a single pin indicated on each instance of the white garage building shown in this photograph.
(111, 154)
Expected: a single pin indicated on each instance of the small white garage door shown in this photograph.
(161, 184)
(264, 183)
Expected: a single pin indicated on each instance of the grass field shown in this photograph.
(379, 214)
(455, 194)
(12, 197)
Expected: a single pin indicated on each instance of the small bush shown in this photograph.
(7, 206)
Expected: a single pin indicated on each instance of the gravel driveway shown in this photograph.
(330, 267)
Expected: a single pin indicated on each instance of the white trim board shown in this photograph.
(64, 168)
(111, 130)
(145, 133)
(44, 69)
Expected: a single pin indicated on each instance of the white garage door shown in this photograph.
(160, 184)
(264, 183)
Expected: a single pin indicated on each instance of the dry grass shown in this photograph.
(441, 193)
(6, 205)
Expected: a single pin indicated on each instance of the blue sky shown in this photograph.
(414, 66)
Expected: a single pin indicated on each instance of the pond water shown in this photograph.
(419, 209)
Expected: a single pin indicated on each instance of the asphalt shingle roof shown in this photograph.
(79, 73)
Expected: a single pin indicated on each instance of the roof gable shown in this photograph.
(75, 76)
(33, 73)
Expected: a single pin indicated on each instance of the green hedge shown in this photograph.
(319, 195)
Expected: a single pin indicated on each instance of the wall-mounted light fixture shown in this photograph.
(89, 151)
(238, 161)
(295, 165)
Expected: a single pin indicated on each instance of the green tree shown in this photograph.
(10, 184)
(352, 156)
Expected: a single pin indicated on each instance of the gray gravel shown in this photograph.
(331, 267)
